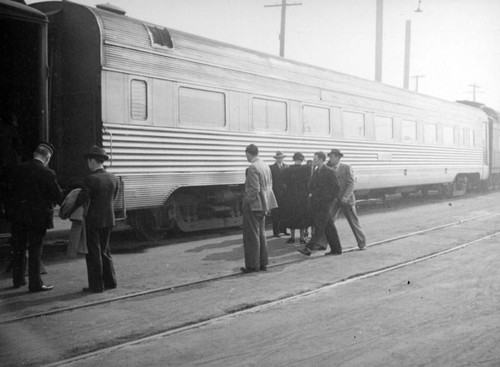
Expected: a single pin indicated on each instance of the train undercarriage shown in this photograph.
(193, 209)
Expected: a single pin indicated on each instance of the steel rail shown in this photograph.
(262, 306)
(220, 277)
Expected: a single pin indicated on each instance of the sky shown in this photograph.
(454, 43)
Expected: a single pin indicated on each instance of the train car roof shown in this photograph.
(15, 10)
(117, 28)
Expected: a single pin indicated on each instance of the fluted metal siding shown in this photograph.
(155, 161)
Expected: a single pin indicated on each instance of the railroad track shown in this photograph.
(165, 291)
(179, 286)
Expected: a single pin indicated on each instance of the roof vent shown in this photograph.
(111, 8)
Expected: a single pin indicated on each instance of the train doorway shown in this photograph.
(23, 87)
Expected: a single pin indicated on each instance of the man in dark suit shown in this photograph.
(99, 191)
(324, 189)
(279, 192)
(258, 200)
(346, 200)
(34, 191)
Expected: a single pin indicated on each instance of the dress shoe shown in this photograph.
(263, 268)
(361, 248)
(91, 290)
(248, 270)
(291, 240)
(318, 247)
(19, 285)
(304, 251)
(109, 287)
(43, 288)
(329, 253)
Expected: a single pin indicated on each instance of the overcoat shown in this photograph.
(35, 190)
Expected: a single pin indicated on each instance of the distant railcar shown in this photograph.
(176, 111)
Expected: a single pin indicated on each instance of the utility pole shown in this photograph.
(378, 40)
(417, 77)
(283, 21)
(474, 87)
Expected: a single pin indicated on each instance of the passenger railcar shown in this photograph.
(175, 111)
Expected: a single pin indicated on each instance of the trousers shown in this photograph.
(254, 238)
(349, 211)
(27, 238)
(100, 268)
(324, 226)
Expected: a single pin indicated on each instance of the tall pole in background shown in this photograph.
(283, 21)
(474, 88)
(406, 79)
(378, 40)
(406, 75)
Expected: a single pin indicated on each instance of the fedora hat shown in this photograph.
(96, 152)
(335, 152)
(279, 154)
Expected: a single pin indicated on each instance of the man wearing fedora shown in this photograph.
(99, 191)
(346, 200)
(34, 189)
(277, 170)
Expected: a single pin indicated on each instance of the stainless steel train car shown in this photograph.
(176, 111)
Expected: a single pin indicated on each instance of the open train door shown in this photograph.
(24, 72)
(23, 84)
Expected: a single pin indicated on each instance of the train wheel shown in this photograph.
(144, 224)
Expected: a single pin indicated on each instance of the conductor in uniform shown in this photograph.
(34, 190)
(99, 191)
(258, 200)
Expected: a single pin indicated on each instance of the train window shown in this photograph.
(353, 124)
(430, 133)
(409, 131)
(269, 115)
(316, 120)
(138, 100)
(467, 138)
(460, 136)
(447, 135)
(202, 107)
(384, 128)
(160, 36)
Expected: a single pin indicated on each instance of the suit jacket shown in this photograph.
(35, 190)
(345, 174)
(278, 180)
(259, 187)
(101, 188)
(324, 187)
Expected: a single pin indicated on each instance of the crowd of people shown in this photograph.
(32, 190)
(298, 196)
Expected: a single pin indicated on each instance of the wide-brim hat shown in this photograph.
(96, 152)
(335, 152)
(298, 156)
(279, 155)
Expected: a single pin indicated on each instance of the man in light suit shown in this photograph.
(346, 200)
(99, 189)
(258, 200)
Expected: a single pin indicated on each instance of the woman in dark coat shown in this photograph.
(296, 179)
